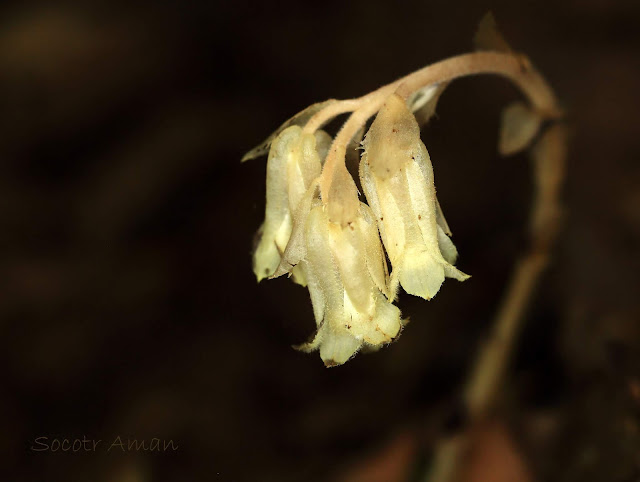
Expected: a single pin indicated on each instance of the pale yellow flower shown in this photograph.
(295, 160)
(397, 177)
(347, 280)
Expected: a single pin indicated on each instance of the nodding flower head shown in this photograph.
(321, 231)
(333, 243)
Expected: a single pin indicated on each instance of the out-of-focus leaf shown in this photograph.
(423, 102)
(519, 125)
(488, 37)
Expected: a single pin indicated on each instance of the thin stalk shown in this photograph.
(514, 67)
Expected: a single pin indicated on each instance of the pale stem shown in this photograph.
(486, 378)
(514, 67)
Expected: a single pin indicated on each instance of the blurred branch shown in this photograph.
(486, 379)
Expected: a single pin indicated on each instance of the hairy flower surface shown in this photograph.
(347, 280)
(295, 160)
(397, 177)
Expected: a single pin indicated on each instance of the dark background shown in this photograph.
(128, 304)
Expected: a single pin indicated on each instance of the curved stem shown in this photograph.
(514, 67)
(549, 156)
(321, 117)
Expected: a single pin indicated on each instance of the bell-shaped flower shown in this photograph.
(295, 160)
(397, 178)
(346, 276)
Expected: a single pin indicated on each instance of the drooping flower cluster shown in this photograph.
(343, 263)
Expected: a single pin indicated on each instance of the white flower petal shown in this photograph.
(298, 276)
(296, 249)
(322, 263)
(423, 196)
(337, 347)
(421, 274)
(392, 215)
(318, 300)
(381, 328)
(348, 250)
(374, 256)
(453, 272)
(371, 192)
(447, 248)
